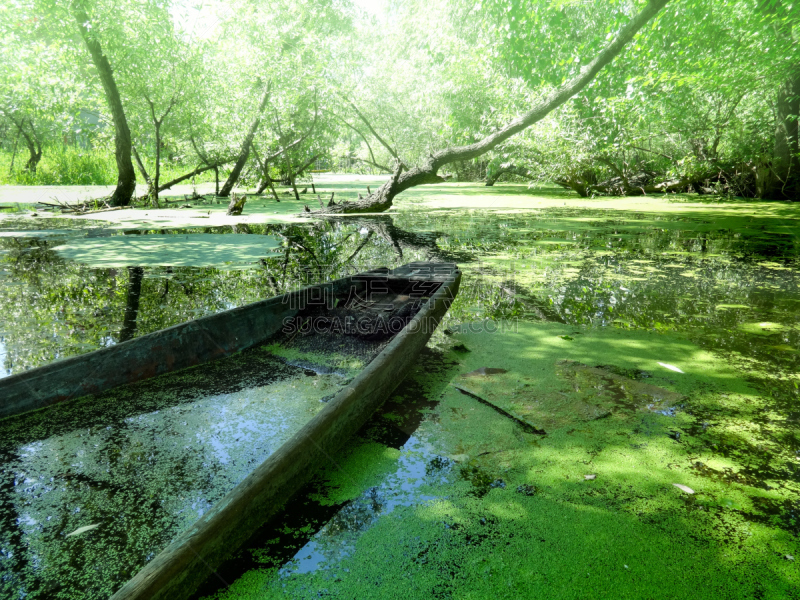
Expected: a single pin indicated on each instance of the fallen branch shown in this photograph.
(526, 427)
(109, 209)
(197, 171)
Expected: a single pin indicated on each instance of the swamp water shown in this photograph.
(647, 346)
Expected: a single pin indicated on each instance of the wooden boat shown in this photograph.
(209, 338)
(386, 315)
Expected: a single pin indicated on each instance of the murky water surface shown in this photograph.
(608, 289)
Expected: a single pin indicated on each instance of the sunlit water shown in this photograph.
(730, 283)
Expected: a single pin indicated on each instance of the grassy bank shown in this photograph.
(69, 165)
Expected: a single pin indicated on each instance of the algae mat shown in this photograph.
(590, 509)
(91, 490)
(185, 250)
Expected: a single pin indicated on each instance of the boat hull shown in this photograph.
(182, 567)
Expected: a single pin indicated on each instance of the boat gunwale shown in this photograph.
(41, 388)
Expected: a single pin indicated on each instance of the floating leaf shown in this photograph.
(684, 488)
(83, 529)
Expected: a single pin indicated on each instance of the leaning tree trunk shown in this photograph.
(126, 176)
(784, 155)
(244, 154)
(142, 168)
(381, 199)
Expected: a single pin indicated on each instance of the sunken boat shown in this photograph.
(381, 318)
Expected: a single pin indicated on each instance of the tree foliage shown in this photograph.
(704, 98)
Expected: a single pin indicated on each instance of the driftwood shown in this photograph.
(109, 209)
(84, 208)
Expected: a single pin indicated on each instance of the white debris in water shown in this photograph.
(83, 529)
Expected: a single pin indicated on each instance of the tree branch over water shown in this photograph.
(427, 173)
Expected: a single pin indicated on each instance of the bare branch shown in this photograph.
(374, 164)
(308, 164)
(363, 137)
(383, 142)
(299, 140)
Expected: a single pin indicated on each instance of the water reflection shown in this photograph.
(5, 368)
(731, 284)
(135, 275)
(577, 267)
(416, 468)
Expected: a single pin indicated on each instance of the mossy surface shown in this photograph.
(511, 514)
(127, 471)
(323, 361)
(186, 250)
(364, 465)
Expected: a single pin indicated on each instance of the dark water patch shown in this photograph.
(784, 514)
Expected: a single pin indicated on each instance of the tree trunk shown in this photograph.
(13, 154)
(157, 174)
(381, 199)
(784, 155)
(267, 182)
(135, 276)
(142, 169)
(244, 154)
(32, 141)
(34, 158)
(126, 176)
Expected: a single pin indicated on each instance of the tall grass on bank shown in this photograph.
(69, 165)
(61, 165)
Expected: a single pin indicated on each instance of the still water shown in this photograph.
(725, 283)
